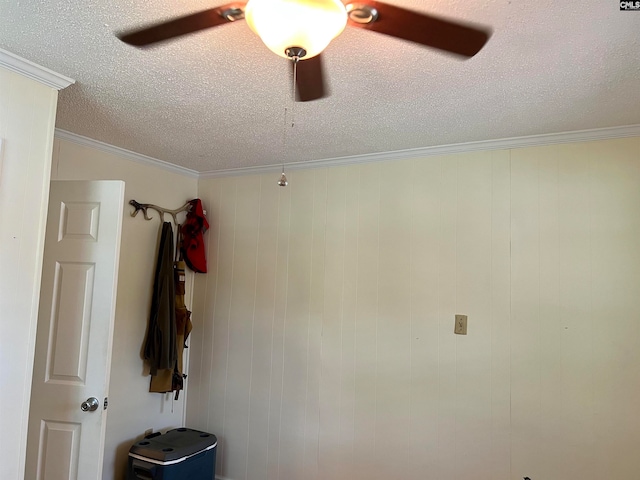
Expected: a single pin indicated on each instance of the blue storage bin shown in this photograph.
(178, 454)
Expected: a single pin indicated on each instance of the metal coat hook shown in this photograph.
(162, 211)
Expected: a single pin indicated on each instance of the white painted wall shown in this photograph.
(132, 409)
(27, 117)
(323, 340)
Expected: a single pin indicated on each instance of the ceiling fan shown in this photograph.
(302, 29)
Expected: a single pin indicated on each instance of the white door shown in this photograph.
(75, 330)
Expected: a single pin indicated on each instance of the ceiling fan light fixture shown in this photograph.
(308, 24)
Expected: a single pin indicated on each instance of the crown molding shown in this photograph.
(34, 71)
(122, 152)
(500, 144)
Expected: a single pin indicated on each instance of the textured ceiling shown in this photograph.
(215, 100)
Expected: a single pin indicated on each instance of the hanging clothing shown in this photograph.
(160, 345)
(173, 379)
(183, 316)
(193, 237)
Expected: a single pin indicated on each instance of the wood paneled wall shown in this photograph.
(323, 345)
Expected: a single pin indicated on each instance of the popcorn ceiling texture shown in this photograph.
(215, 100)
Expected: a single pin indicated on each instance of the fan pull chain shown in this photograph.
(283, 182)
(293, 97)
(284, 131)
(294, 58)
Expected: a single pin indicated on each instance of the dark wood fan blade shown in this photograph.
(310, 84)
(183, 25)
(426, 30)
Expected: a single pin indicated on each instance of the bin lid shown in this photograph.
(174, 446)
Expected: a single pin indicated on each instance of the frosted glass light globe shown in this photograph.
(309, 24)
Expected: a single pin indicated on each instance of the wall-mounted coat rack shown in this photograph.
(162, 211)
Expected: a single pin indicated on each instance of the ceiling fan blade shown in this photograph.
(453, 37)
(310, 84)
(184, 25)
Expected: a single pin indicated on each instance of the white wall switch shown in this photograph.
(461, 325)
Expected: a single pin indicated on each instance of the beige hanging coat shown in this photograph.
(172, 379)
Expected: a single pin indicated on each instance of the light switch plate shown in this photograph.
(461, 325)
